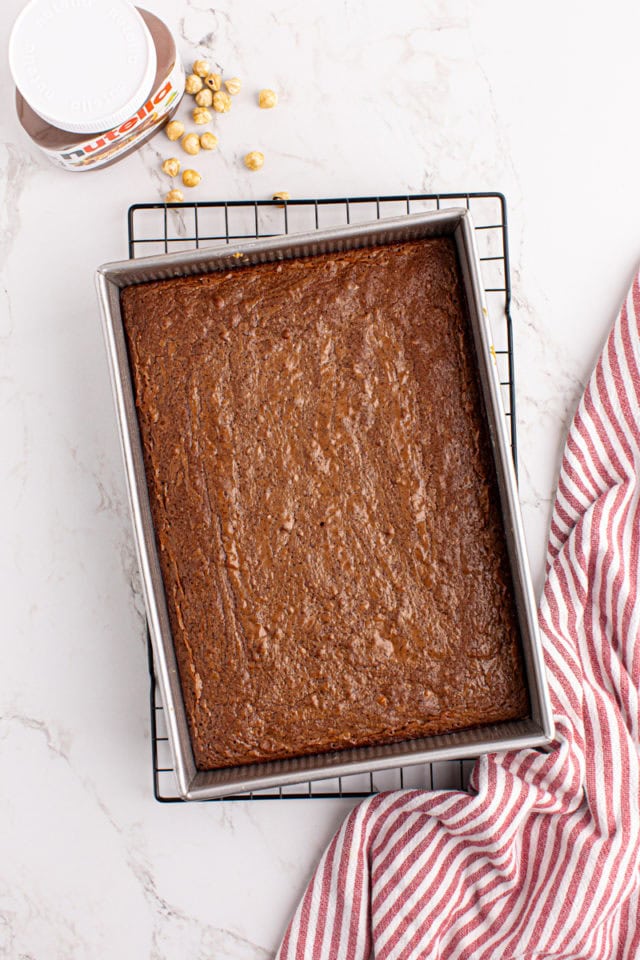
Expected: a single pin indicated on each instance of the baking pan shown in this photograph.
(534, 731)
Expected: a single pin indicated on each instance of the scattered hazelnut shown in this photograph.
(204, 98)
(267, 99)
(201, 68)
(221, 102)
(191, 178)
(208, 141)
(254, 160)
(201, 115)
(174, 130)
(233, 85)
(193, 84)
(281, 195)
(213, 81)
(171, 166)
(191, 143)
(174, 196)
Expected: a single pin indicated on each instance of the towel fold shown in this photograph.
(541, 858)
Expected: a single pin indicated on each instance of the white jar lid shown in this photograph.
(83, 65)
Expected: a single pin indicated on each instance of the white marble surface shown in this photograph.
(538, 101)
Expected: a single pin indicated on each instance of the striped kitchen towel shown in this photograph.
(541, 858)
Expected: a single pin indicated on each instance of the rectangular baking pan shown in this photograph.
(534, 731)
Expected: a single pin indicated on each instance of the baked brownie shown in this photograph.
(325, 503)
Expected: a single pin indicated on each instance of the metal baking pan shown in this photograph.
(535, 731)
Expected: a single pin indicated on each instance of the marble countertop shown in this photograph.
(374, 99)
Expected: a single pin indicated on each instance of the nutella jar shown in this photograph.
(94, 79)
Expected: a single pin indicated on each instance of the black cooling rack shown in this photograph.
(158, 228)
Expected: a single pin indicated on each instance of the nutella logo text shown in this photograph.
(151, 113)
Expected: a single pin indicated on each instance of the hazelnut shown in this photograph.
(208, 141)
(191, 143)
(221, 102)
(213, 81)
(174, 196)
(201, 115)
(191, 178)
(267, 99)
(281, 195)
(204, 98)
(288, 521)
(233, 85)
(201, 68)
(254, 160)
(193, 84)
(171, 167)
(174, 130)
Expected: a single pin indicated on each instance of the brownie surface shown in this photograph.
(325, 503)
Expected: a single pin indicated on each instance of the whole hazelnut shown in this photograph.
(201, 68)
(174, 130)
(191, 143)
(208, 141)
(193, 84)
(171, 166)
(221, 102)
(191, 178)
(213, 81)
(254, 160)
(174, 196)
(267, 99)
(233, 85)
(204, 98)
(201, 115)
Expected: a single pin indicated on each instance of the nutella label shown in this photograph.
(101, 148)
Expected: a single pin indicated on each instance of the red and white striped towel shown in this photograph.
(542, 857)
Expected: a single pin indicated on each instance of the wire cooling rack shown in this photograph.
(157, 228)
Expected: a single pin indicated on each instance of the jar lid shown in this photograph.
(83, 65)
